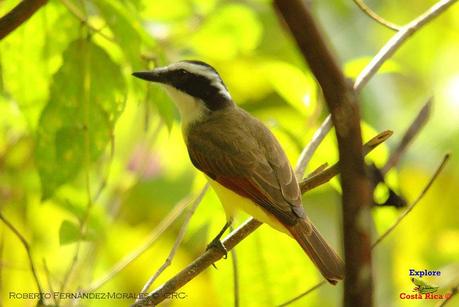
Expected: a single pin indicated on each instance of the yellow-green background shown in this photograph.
(57, 77)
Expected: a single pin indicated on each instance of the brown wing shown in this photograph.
(246, 158)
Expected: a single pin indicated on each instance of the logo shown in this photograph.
(422, 287)
(423, 290)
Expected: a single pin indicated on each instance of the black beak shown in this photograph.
(153, 76)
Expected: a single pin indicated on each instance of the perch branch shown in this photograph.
(199, 264)
(18, 15)
(370, 13)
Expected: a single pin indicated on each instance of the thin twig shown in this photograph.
(83, 19)
(414, 129)
(370, 13)
(312, 146)
(318, 170)
(178, 240)
(2, 262)
(324, 176)
(153, 236)
(397, 41)
(18, 15)
(313, 288)
(50, 284)
(454, 291)
(235, 274)
(416, 201)
(29, 253)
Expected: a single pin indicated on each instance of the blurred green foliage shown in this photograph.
(78, 132)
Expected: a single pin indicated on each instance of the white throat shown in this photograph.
(190, 108)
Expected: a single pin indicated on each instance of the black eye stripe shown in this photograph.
(205, 84)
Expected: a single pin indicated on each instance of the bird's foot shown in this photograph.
(217, 244)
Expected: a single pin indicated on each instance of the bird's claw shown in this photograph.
(217, 244)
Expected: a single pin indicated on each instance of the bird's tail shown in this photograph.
(322, 255)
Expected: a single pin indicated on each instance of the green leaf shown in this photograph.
(86, 98)
(69, 232)
(125, 25)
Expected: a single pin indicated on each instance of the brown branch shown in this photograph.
(370, 13)
(29, 253)
(417, 200)
(397, 41)
(343, 106)
(414, 129)
(199, 264)
(18, 15)
(454, 291)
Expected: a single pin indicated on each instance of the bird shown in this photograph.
(242, 160)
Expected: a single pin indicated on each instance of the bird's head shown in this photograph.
(191, 81)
